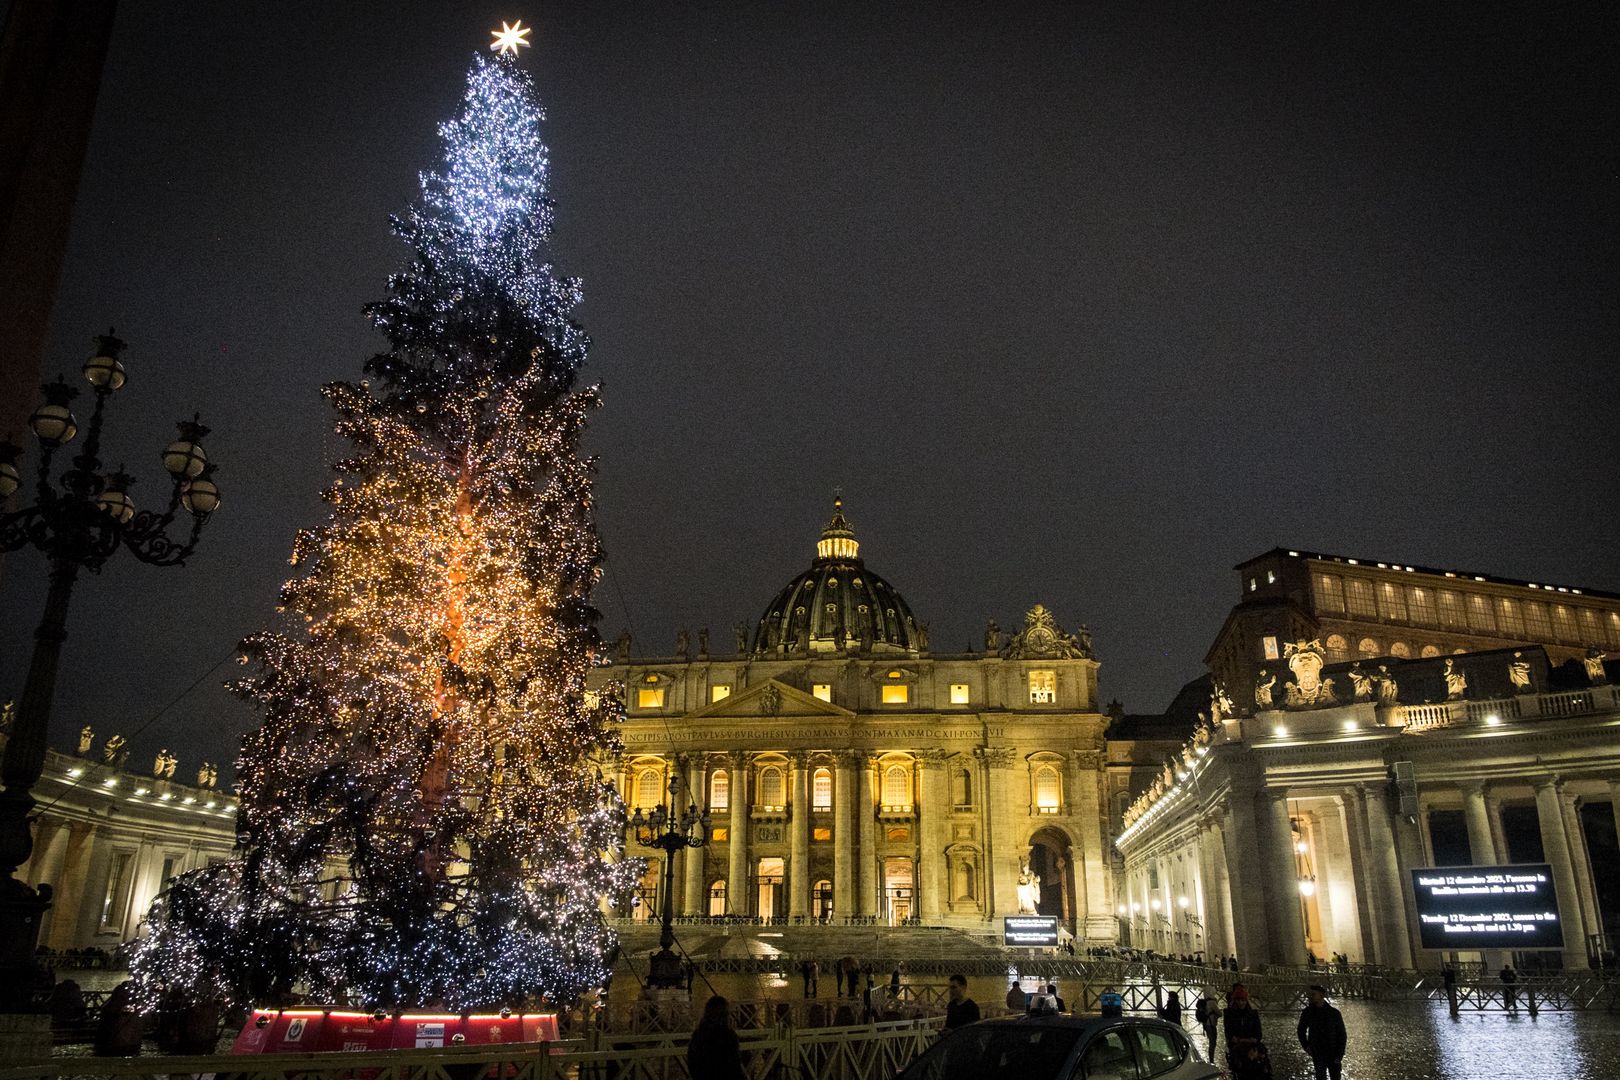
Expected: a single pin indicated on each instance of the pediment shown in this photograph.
(770, 698)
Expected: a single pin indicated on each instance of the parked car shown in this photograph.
(1064, 1048)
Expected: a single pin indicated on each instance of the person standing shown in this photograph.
(1170, 1011)
(1321, 1034)
(1242, 1023)
(1017, 1000)
(1110, 1003)
(715, 1053)
(1510, 996)
(1208, 1014)
(1051, 988)
(960, 1010)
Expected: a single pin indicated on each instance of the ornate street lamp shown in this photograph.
(79, 521)
(669, 829)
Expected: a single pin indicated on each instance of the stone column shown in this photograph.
(1614, 804)
(1222, 885)
(1481, 844)
(799, 850)
(1494, 806)
(68, 907)
(1555, 846)
(1003, 845)
(932, 811)
(1287, 926)
(38, 868)
(843, 836)
(1394, 936)
(738, 902)
(1086, 804)
(694, 900)
(1209, 896)
(1582, 860)
(866, 822)
(1245, 875)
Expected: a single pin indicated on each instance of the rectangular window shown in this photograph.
(822, 690)
(1359, 597)
(896, 694)
(168, 872)
(1614, 630)
(821, 834)
(1043, 688)
(718, 834)
(1589, 626)
(650, 697)
(1537, 622)
(1392, 602)
(898, 834)
(1421, 603)
(1329, 593)
(1268, 645)
(719, 692)
(1479, 614)
(959, 693)
(821, 784)
(1563, 623)
(115, 898)
(1451, 609)
(1508, 616)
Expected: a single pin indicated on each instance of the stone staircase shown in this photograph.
(752, 947)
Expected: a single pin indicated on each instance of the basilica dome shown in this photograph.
(838, 604)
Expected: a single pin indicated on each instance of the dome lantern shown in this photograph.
(838, 539)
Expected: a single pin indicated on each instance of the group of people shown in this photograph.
(1320, 1032)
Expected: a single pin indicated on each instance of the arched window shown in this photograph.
(962, 795)
(897, 786)
(821, 789)
(717, 897)
(821, 900)
(771, 788)
(719, 790)
(1400, 648)
(1337, 648)
(1430, 650)
(1048, 790)
(650, 788)
(1367, 647)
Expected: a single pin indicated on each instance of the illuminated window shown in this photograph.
(1042, 687)
(1254, 584)
(1479, 614)
(1367, 647)
(772, 794)
(1359, 597)
(821, 789)
(1564, 622)
(897, 788)
(822, 690)
(1614, 629)
(1589, 626)
(1271, 577)
(719, 691)
(898, 834)
(896, 694)
(1509, 618)
(719, 790)
(1451, 609)
(1337, 648)
(1400, 648)
(1421, 604)
(650, 697)
(1392, 602)
(1537, 622)
(1329, 593)
(649, 787)
(1048, 790)
(821, 833)
(718, 834)
(1429, 650)
(1269, 644)
(959, 693)
(717, 898)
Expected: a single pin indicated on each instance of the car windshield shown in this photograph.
(997, 1052)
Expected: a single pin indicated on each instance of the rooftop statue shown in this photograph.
(1456, 682)
(1262, 690)
(1519, 674)
(1594, 666)
(1043, 639)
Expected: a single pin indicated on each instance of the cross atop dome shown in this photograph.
(838, 539)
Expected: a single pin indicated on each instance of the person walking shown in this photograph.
(1321, 1034)
(1208, 1015)
(1170, 1011)
(1242, 1023)
(715, 1053)
(1510, 996)
(809, 970)
(960, 1010)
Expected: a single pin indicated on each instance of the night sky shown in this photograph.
(1077, 305)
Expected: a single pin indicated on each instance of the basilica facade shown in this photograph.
(852, 775)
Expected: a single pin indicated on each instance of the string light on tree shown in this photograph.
(422, 822)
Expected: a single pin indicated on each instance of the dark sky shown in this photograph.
(1078, 305)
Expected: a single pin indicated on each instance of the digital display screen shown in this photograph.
(1488, 907)
(1029, 931)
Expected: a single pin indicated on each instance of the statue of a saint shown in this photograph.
(621, 645)
(1388, 692)
(922, 637)
(112, 751)
(1361, 683)
(202, 774)
(992, 637)
(740, 632)
(1085, 640)
(1029, 890)
(1262, 690)
(168, 767)
(1519, 674)
(1456, 682)
(1594, 666)
(87, 739)
(683, 643)
(866, 636)
(703, 641)
(160, 763)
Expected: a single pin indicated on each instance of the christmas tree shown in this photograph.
(421, 823)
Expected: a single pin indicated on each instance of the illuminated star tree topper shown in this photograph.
(510, 38)
(422, 820)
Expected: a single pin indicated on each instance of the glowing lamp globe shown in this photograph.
(117, 505)
(10, 478)
(104, 370)
(185, 458)
(200, 496)
(53, 422)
